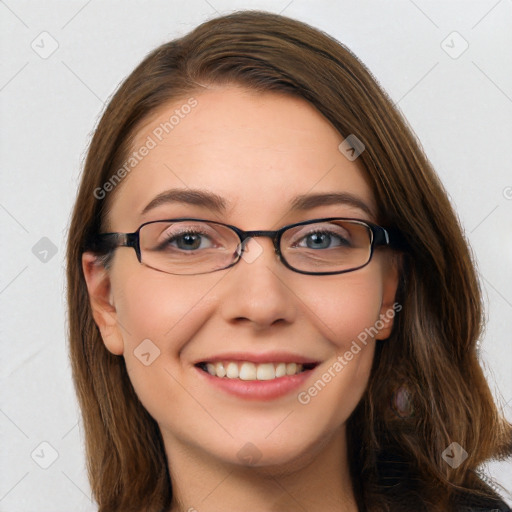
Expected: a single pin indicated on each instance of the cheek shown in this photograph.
(159, 306)
(157, 314)
(346, 313)
(346, 307)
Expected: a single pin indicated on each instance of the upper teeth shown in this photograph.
(250, 371)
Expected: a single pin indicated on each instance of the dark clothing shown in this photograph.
(470, 504)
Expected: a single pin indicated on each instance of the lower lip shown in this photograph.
(258, 389)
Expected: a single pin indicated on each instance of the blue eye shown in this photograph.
(186, 238)
(320, 237)
(187, 241)
(322, 240)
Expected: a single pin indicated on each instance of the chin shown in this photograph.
(285, 453)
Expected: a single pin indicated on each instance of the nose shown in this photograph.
(256, 290)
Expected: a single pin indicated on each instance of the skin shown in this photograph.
(258, 151)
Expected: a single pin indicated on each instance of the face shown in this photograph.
(257, 151)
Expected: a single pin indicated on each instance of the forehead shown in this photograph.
(255, 150)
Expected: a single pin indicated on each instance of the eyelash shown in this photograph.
(171, 237)
(175, 236)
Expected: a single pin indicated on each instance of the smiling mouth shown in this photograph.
(246, 370)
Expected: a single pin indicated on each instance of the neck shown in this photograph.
(317, 480)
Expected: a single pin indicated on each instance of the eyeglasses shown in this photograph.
(189, 246)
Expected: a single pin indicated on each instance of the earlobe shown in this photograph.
(389, 307)
(101, 299)
(385, 321)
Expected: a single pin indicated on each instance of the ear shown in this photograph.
(101, 299)
(389, 306)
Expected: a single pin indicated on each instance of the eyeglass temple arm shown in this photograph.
(107, 242)
(391, 237)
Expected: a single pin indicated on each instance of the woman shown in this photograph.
(271, 303)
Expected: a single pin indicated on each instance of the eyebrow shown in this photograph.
(218, 204)
(204, 198)
(309, 201)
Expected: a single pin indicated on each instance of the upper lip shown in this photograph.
(267, 357)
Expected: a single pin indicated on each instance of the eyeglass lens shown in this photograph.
(194, 247)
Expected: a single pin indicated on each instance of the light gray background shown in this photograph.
(460, 108)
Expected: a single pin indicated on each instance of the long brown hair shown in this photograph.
(431, 355)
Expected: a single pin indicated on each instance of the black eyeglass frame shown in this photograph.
(105, 243)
